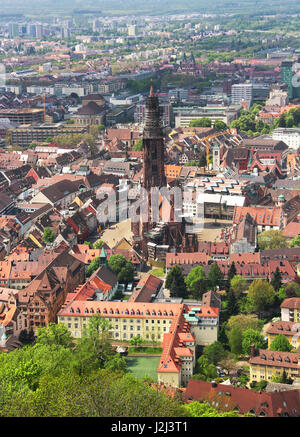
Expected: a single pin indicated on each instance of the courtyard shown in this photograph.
(141, 367)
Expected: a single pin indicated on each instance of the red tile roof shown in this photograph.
(185, 258)
(291, 303)
(266, 357)
(262, 216)
(270, 404)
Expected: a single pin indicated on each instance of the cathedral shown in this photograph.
(156, 236)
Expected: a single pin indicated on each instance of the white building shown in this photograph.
(242, 92)
(290, 136)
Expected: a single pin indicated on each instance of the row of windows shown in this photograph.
(153, 321)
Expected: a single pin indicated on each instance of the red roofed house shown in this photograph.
(266, 363)
(185, 260)
(265, 218)
(179, 327)
(290, 309)
(242, 400)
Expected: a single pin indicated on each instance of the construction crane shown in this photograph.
(44, 106)
(207, 142)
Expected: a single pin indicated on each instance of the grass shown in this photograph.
(145, 350)
(159, 273)
(141, 367)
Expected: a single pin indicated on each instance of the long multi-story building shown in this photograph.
(184, 115)
(290, 136)
(178, 327)
(24, 135)
(264, 364)
(23, 115)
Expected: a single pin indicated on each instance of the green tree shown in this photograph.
(214, 352)
(295, 242)
(205, 370)
(94, 348)
(231, 304)
(203, 409)
(138, 147)
(271, 239)
(122, 267)
(175, 282)
(244, 322)
(238, 285)
(220, 125)
(116, 363)
(201, 122)
(136, 341)
(261, 294)
(48, 235)
(281, 343)
(232, 271)
(54, 334)
(94, 265)
(196, 282)
(292, 289)
(282, 379)
(235, 340)
(249, 337)
(98, 244)
(215, 276)
(276, 281)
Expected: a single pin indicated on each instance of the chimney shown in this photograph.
(252, 351)
(214, 384)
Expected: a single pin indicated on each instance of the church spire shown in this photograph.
(151, 94)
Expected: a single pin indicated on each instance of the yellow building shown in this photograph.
(177, 326)
(290, 308)
(264, 364)
(291, 330)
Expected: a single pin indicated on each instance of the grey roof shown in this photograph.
(107, 275)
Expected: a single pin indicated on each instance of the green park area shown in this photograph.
(143, 366)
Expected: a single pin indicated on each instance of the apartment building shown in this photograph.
(265, 363)
(241, 92)
(179, 327)
(25, 134)
(290, 310)
(290, 136)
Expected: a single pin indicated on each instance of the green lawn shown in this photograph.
(145, 350)
(143, 366)
(159, 273)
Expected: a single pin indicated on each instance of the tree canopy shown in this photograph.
(261, 294)
(196, 282)
(175, 282)
(201, 122)
(48, 235)
(249, 337)
(271, 239)
(281, 343)
(122, 267)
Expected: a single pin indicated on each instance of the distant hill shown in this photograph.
(153, 7)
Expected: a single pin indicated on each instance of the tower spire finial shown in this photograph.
(151, 94)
